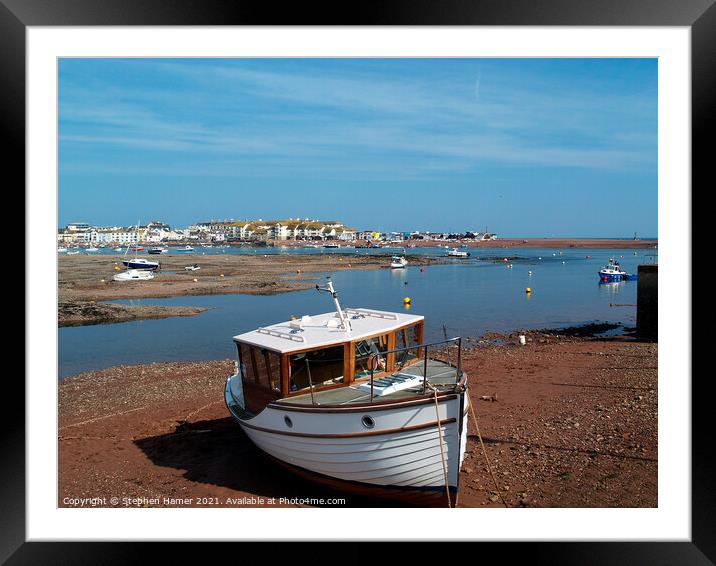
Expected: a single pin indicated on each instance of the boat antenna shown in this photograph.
(329, 289)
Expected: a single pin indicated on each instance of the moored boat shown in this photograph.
(157, 250)
(398, 262)
(140, 263)
(354, 399)
(454, 252)
(134, 275)
(612, 272)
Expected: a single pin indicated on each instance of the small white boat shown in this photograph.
(134, 275)
(454, 252)
(398, 262)
(118, 249)
(73, 252)
(194, 267)
(185, 249)
(61, 250)
(355, 400)
(91, 249)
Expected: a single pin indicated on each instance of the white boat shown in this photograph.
(73, 252)
(194, 267)
(91, 249)
(185, 249)
(353, 399)
(61, 250)
(454, 252)
(134, 275)
(398, 262)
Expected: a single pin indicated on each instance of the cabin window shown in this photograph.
(318, 368)
(248, 370)
(371, 351)
(260, 366)
(408, 337)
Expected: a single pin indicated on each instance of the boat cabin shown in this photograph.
(301, 358)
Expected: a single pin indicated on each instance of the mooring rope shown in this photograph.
(100, 418)
(440, 441)
(489, 468)
(186, 419)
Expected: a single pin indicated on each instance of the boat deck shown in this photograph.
(404, 383)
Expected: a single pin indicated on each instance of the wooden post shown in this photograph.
(419, 330)
(390, 361)
(285, 374)
(349, 362)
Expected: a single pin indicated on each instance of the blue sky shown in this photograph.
(525, 147)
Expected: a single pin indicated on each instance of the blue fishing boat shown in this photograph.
(612, 272)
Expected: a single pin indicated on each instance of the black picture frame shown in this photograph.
(699, 15)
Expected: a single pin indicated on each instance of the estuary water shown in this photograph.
(468, 297)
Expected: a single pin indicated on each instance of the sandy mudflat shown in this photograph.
(81, 276)
(574, 424)
(86, 279)
(77, 313)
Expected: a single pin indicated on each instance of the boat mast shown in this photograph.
(329, 289)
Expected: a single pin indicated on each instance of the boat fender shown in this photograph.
(406, 300)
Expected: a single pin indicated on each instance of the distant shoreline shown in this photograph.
(603, 243)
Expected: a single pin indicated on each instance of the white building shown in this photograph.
(113, 236)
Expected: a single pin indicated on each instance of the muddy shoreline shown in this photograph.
(78, 313)
(566, 422)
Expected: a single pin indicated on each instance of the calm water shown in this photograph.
(469, 297)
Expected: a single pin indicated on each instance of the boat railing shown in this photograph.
(441, 349)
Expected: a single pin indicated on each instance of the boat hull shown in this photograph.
(612, 276)
(399, 457)
(131, 264)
